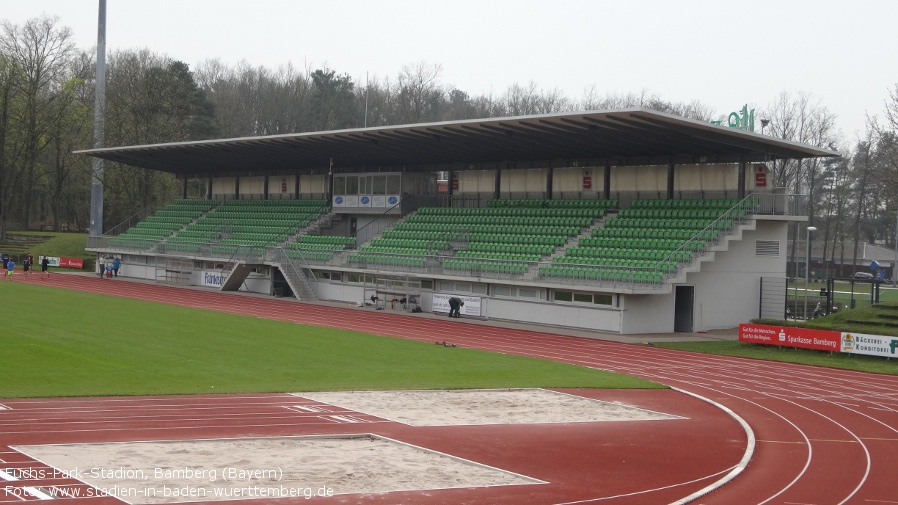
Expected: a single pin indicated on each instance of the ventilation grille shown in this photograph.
(767, 248)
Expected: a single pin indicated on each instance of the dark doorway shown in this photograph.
(280, 285)
(353, 226)
(683, 308)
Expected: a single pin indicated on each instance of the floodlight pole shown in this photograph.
(895, 263)
(96, 187)
(807, 268)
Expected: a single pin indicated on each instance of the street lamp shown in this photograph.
(807, 268)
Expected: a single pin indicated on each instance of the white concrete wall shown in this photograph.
(727, 288)
(570, 179)
(651, 178)
(648, 313)
(692, 178)
(252, 186)
(281, 186)
(531, 180)
(349, 293)
(476, 181)
(312, 184)
(585, 317)
(223, 186)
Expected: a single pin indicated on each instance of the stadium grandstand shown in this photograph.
(626, 221)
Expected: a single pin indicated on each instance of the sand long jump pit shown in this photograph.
(153, 472)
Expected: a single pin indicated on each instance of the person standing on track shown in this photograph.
(45, 267)
(116, 264)
(26, 265)
(10, 267)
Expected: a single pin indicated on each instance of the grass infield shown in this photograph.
(57, 342)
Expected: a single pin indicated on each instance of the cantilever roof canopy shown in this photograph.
(592, 138)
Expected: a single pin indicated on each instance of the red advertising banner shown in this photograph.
(71, 263)
(823, 340)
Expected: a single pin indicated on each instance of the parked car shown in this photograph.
(863, 276)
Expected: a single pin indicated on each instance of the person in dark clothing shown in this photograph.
(454, 304)
(45, 264)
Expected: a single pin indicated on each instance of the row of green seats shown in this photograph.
(395, 250)
(477, 266)
(553, 203)
(499, 256)
(522, 229)
(310, 255)
(667, 233)
(503, 212)
(438, 245)
(249, 242)
(388, 260)
(670, 213)
(567, 222)
(257, 237)
(278, 203)
(418, 234)
(498, 220)
(319, 247)
(513, 238)
(684, 203)
(681, 256)
(691, 224)
(493, 247)
(631, 243)
(327, 239)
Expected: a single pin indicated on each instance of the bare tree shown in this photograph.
(38, 58)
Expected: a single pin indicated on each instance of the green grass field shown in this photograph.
(63, 343)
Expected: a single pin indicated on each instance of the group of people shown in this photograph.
(9, 266)
(109, 267)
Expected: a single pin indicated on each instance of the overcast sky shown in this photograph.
(721, 52)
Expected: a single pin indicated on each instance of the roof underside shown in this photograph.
(594, 138)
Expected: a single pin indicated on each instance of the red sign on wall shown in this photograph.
(587, 182)
(71, 263)
(760, 177)
(786, 336)
(454, 183)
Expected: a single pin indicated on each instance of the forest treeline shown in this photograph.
(47, 102)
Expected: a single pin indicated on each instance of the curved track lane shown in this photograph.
(823, 436)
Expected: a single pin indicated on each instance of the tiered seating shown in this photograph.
(496, 246)
(163, 223)
(259, 223)
(319, 247)
(647, 241)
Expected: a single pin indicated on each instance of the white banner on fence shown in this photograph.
(214, 279)
(471, 308)
(870, 345)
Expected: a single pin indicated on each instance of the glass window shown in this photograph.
(603, 299)
(363, 185)
(352, 277)
(479, 289)
(339, 185)
(564, 296)
(427, 284)
(379, 185)
(352, 185)
(393, 185)
(502, 290)
(527, 293)
(583, 297)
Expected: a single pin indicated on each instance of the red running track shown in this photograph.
(823, 436)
